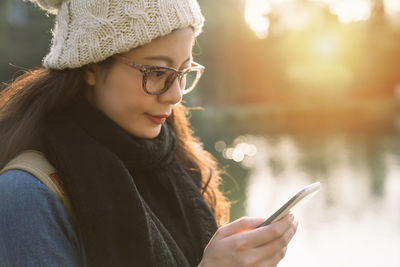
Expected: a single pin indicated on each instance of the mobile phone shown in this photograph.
(303, 194)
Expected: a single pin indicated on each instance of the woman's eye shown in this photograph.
(159, 73)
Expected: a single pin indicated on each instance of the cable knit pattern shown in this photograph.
(89, 31)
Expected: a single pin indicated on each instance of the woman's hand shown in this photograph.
(240, 243)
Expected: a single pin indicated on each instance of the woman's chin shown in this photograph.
(149, 133)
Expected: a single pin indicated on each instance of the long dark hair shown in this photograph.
(30, 97)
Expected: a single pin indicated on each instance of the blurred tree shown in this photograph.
(25, 37)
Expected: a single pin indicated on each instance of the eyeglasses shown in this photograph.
(157, 80)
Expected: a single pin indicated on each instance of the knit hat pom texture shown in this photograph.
(50, 6)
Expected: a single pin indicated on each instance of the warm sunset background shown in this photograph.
(294, 91)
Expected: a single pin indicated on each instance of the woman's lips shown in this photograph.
(157, 119)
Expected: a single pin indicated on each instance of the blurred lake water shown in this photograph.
(355, 219)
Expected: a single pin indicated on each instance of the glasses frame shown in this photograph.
(146, 69)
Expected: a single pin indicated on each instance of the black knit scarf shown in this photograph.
(135, 205)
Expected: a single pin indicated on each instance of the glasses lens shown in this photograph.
(189, 81)
(159, 79)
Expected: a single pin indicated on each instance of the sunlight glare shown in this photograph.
(255, 11)
(351, 10)
(392, 6)
(324, 45)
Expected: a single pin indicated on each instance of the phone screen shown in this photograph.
(303, 194)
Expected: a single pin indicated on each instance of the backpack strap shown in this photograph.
(35, 163)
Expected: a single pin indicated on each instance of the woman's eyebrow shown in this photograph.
(168, 60)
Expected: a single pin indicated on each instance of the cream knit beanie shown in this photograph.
(89, 31)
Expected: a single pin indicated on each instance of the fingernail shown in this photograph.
(291, 217)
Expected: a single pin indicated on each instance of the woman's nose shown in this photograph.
(174, 94)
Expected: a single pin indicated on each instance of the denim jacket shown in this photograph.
(35, 228)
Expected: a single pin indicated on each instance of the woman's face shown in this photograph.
(119, 94)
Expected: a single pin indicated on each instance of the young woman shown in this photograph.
(106, 112)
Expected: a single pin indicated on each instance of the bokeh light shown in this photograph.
(240, 150)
